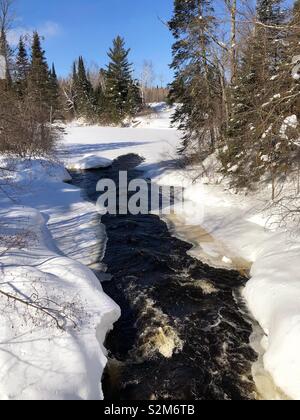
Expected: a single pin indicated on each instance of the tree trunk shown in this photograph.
(233, 46)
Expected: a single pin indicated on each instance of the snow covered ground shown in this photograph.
(160, 117)
(157, 145)
(47, 233)
(226, 229)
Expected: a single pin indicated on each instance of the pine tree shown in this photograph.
(121, 90)
(197, 79)
(72, 96)
(270, 37)
(135, 97)
(269, 12)
(38, 81)
(54, 94)
(83, 91)
(22, 67)
(74, 73)
(253, 135)
(279, 147)
(272, 57)
(100, 98)
(239, 154)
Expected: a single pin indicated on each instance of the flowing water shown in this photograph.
(184, 331)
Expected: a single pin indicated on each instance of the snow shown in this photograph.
(236, 226)
(289, 122)
(226, 260)
(160, 118)
(90, 162)
(296, 68)
(234, 168)
(157, 145)
(53, 236)
(2, 67)
(51, 232)
(226, 229)
(273, 295)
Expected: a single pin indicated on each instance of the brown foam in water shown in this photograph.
(206, 248)
(212, 251)
(266, 387)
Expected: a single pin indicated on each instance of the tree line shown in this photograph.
(29, 82)
(33, 98)
(115, 94)
(29, 97)
(237, 80)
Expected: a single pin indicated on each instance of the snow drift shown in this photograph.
(56, 357)
(90, 162)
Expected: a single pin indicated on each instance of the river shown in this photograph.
(184, 332)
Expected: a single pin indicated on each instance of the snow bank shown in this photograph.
(90, 162)
(43, 238)
(33, 171)
(160, 118)
(237, 224)
(273, 295)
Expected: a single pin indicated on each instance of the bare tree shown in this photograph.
(69, 96)
(147, 78)
(232, 8)
(24, 127)
(148, 74)
(7, 15)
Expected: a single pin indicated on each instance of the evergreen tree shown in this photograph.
(253, 135)
(72, 94)
(239, 155)
(100, 98)
(269, 35)
(269, 12)
(122, 93)
(197, 79)
(83, 90)
(135, 97)
(278, 148)
(38, 81)
(54, 93)
(22, 67)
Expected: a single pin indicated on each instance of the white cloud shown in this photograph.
(48, 30)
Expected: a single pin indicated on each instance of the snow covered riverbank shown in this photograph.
(273, 293)
(236, 224)
(62, 232)
(47, 234)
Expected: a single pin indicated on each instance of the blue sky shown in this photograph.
(87, 27)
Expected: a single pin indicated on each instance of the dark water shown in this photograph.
(183, 333)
